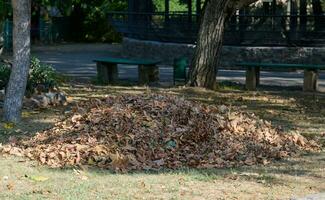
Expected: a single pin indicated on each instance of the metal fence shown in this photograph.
(245, 30)
(56, 30)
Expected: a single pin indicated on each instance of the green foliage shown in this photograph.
(89, 17)
(174, 5)
(2, 14)
(41, 77)
(96, 26)
(5, 9)
(4, 76)
(2, 6)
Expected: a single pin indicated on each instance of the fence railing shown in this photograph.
(56, 30)
(259, 30)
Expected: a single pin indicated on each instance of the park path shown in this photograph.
(320, 196)
(76, 60)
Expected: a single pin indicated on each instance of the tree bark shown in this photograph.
(21, 50)
(206, 58)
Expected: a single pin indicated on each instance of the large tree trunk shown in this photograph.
(21, 49)
(206, 57)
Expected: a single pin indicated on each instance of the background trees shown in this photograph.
(318, 11)
(2, 18)
(87, 19)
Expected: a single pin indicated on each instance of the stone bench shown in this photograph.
(107, 69)
(253, 73)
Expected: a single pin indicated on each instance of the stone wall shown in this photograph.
(166, 52)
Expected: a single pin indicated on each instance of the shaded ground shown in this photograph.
(76, 60)
(296, 177)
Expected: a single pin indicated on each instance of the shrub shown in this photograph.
(4, 75)
(42, 77)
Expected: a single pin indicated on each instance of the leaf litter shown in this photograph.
(154, 131)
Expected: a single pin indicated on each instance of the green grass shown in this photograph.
(263, 182)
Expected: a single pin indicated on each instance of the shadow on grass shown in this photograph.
(31, 123)
(275, 174)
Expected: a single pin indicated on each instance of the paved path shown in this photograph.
(312, 197)
(76, 61)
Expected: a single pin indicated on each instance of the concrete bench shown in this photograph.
(253, 73)
(107, 69)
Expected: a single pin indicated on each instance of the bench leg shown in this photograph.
(310, 80)
(102, 73)
(252, 78)
(257, 76)
(112, 73)
(148, 74)
(107, 73)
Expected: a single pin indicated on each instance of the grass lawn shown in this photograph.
(293, 111)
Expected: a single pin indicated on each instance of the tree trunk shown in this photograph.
(206, 57)
(21, 50)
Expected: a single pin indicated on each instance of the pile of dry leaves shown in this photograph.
(158, 131)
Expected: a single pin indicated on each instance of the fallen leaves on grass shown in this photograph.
(10, 186)
(150, 132)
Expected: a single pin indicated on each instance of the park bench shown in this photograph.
(107, 69)
(253, 73)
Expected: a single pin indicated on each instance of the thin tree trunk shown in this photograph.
(206, 57)
(21, 49)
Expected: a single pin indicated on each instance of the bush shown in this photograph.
(90, 18)
(4, 75)
(96, 27)
(42, 77)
